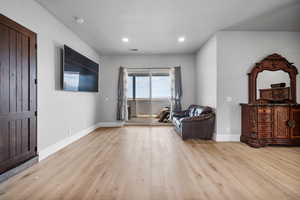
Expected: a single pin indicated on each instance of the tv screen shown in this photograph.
(79, 72)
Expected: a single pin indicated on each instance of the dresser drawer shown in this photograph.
(264, 127)
(264, 117)
(265, 110)
(265, 134)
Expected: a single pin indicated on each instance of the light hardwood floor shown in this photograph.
(143, 163)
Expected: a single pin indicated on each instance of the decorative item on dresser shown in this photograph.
(272, 115)
(275, 94)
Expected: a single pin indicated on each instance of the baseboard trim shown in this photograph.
(65, 142)
(111, 124)
(227, 138)
(18, 169)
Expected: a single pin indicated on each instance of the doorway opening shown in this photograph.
(148, 96)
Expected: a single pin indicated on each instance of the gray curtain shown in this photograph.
(178, 89)
(121, 95)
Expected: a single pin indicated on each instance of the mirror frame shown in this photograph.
(272, 62)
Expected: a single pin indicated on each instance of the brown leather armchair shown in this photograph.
(195, 122)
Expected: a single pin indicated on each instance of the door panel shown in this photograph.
(17, 94)
(4, 140)
(281, 116)
(295, 118)
(4, 71)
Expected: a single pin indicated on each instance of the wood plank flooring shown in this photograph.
(153, 163)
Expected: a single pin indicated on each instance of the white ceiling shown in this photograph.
(286, 18)
(154, 26)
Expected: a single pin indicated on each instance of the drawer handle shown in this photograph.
(291, 123)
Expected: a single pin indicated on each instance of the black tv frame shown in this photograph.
(63, 70)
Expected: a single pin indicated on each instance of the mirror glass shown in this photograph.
(266, 78)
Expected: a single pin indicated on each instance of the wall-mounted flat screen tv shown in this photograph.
(79, 72)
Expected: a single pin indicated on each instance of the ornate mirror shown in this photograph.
(273, 80)
(270, 82)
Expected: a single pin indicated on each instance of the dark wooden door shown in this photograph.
(295, 122)
(18, 124)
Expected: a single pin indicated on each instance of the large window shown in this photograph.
(139, 86)
(142, 87)
(161, 87)
(130, 87)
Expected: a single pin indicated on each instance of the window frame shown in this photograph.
(134, 85)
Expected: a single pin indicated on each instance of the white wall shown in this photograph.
(57, 110)
(109, 77)
(206, 74)
(237, 52)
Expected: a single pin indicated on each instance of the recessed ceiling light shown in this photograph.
(181, 39)
(125, 39)
(79, 20)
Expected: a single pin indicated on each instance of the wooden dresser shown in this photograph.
(265, 122)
